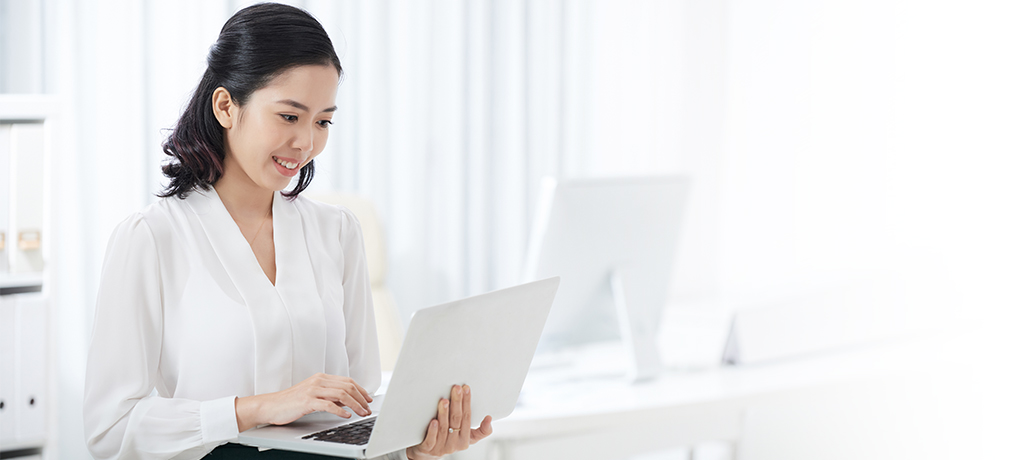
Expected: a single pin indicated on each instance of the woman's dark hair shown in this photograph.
(256, 44)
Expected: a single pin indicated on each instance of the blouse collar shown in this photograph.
(288, 319)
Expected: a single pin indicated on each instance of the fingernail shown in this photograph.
(467, 389)
(446, 403)
(456, 391)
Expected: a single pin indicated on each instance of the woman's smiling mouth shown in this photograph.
(285, 164)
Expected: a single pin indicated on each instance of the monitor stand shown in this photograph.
(637, 331)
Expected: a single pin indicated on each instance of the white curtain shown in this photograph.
(450, 113)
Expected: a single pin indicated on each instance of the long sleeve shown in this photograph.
(123, 418)
(361, 340)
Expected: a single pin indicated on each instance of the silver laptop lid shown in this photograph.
(486, 341)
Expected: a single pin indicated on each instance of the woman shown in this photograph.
(229, 304)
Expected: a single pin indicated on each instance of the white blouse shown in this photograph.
(185, 309)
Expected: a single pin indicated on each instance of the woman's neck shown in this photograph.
(242, 197)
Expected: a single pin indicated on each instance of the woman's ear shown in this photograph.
(223, 107)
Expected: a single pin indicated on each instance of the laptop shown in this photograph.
(486, 341)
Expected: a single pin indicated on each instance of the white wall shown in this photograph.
(870, 139)
(657, 107)
(877, 140)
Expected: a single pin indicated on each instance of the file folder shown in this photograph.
(5, 194)
(25, 237)
(23, 348)
(8, 371)
(32, 340)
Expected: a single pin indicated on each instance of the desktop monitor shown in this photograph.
(612, 243)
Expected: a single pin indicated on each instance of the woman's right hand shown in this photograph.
(318, 393)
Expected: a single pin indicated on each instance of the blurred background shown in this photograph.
(831, 144)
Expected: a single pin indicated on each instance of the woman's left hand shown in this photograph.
(451, 430)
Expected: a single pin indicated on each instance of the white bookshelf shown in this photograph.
(25, 307)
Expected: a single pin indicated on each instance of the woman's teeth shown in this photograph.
(286, 164)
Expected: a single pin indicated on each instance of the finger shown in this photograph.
(347, 384)
(444, 422)
(456, 409)
(328, 406)
(355, 392)
(430, 436)
(352, 401)
(465, 425)
(484, 430)
(364, 393)
(343, 398)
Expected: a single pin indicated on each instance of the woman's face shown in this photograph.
(282, 127)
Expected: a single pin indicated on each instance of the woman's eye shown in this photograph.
(325, 123)
(289, 117)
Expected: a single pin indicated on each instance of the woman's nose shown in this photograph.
(303, 140)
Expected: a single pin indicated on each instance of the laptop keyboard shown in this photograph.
(356, 433)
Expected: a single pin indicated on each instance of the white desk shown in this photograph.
(562, 415)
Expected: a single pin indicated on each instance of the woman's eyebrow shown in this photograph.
(300, 106)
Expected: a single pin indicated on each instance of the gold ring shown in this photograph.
(454, 429)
